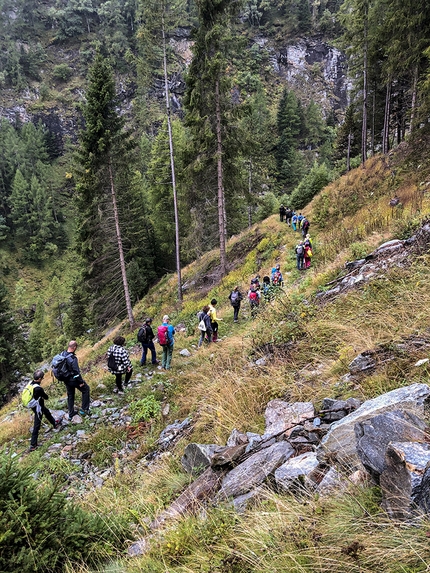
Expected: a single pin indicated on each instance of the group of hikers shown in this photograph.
(300, 223)
(66, 368)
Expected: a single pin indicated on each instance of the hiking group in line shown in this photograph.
(299, 222)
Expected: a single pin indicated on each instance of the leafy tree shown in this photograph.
(313, 182)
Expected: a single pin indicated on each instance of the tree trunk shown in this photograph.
(121, 250)
(172, 165)
(348, 153)
(364, 124)
(414, 99)
(387, 113)
(221, 199)
(250, 193)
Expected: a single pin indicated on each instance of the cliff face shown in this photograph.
(310, 66)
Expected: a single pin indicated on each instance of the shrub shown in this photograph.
(317, 178)
(40, 530)
(62, 72)
(145, 409)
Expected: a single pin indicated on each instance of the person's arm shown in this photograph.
(127, 360)
(39, 392)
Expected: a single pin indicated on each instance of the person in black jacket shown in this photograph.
(75, 381)
(40, 409)
(235, 297)
(282, 212)
(204, 316)
(148, 344)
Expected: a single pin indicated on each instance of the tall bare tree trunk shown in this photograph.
(364, 124)
(348, 153)
(172, 164)
(414, 100)
(121, 250)
(250, 193)
(387, 113)
(221, 198)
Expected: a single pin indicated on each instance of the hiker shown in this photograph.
(305, 226)
(282, 212)
(214, 319)
(294, 222)
(277, 279)
(308, 241)
(235, 297)
(256, 282)
(74, 380)
(165, 334)
(299, 220)
(119, 363)
(267, 289)
(307, 255)
(254, 300)
(288, 215)
(39, 408)
(300, 253)
(205, 326)
(146, 337)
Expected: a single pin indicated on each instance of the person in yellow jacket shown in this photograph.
(214, 319)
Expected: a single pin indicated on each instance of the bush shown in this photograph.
(62, 72)
(41, 531)
(268, 204)
(317, 178)
(145, 409)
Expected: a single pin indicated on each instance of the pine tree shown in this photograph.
(289, 125)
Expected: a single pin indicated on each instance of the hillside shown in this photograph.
(298, 348)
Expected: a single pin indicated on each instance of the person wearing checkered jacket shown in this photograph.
(119, 363)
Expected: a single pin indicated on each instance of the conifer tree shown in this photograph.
(289, 124)
(211, 117)
(12, 347)
(104, 196)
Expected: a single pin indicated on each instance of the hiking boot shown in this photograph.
(57, 424)
(120, 392)
(115, 390)
(32, 448)
(84, 412)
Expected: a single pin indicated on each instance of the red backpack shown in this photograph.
(253, 297)
(163, 335)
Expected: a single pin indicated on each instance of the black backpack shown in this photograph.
(112, 365)
(60, 367)
(142, 335)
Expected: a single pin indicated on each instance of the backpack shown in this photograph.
(163, 335)
(276, 278)
(112, 365)
(60, 367)
(27, 396)
(253, 297)
(234, 297)
(142, 335)
(300, 249)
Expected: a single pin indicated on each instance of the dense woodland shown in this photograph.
(97, 214)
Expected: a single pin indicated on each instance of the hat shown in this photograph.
(148, 319)
(165, 318)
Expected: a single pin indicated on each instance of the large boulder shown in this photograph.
(255, 470)
(374, 435)
(283, 416)
(339, 444)
(297, 472)
(405, 480)
(198, 457)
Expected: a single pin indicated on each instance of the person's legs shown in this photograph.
(169, 353)
(153, 353)
(118, 382)
(48, 416)
(85, 390)
(215, 331)
(144, 353)
(36, 428)
(70, 398)
(128, 375)
(202, 337)
(164, 357)
(236, 312)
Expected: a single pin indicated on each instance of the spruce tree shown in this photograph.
(12, 346)
(104, 197)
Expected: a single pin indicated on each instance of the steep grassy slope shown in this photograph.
(308, 345)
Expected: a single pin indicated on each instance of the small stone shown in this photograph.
(422, 362)
(185, 352)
